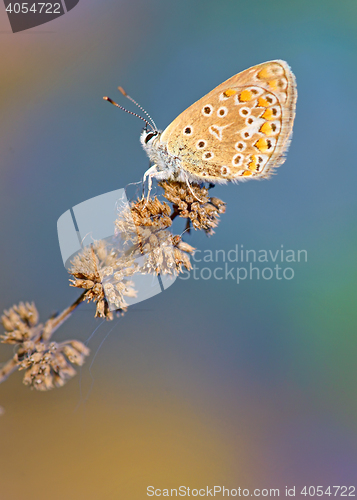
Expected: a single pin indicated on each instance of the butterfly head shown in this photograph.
(148, 138)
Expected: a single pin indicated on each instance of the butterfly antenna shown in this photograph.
(130, 112)
(138, 105)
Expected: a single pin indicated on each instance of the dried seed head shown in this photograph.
(145, 225)
(50, 366)
(19, 322)
(201, 210)
(219, 204)
(99, 269)
(167, 256)
(137, 222)
(181, 195)
(182, 251)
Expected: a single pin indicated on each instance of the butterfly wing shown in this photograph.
(240, 129)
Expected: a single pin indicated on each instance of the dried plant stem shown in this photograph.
(175, 213)
(8, 369)
(54, 323)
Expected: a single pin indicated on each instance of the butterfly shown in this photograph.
(238, 131)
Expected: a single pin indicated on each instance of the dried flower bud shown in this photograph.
(49, 365)
(181, 253)
(96, 269)
(20, 323)
(193, 203)
(218, 204)
(133, 222)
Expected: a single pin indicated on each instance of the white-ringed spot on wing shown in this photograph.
(244, 111)
(208, 155)
(207, 110)
(247, 133)
(256, 91)
(222, 112)
(237, 160)
(240, 146)
(225, 171)
(201, 144)
(187, 130)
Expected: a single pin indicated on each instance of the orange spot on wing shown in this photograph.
(267, 129)
(264, 73)
(253, 164)
(274, 84)
(268, 114)
(229, 92)
(246, 173)
(245, 96)
(263, 103)
(262, 145)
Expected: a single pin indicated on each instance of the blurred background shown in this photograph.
(210, 383)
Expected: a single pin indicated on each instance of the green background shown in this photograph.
(210, 383)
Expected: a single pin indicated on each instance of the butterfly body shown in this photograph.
(238, 131)
(166, 165)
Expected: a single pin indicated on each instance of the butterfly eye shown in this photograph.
(150, 136)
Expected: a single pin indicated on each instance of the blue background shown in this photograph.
(210, 383)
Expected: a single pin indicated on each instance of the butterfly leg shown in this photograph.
(149, 174)
(190, 188)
